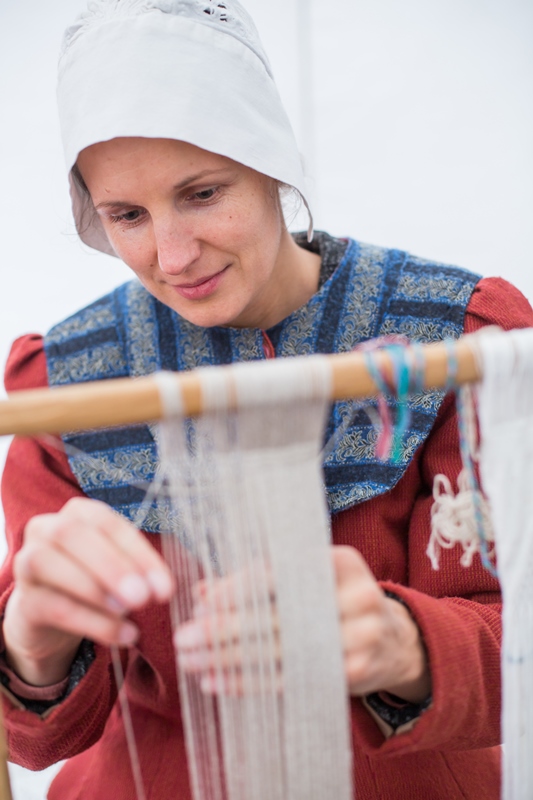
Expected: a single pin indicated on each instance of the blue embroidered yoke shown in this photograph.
(371, 292)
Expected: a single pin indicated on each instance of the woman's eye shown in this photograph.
(205, 194)
(130, 216)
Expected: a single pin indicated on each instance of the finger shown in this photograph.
(249, 586)
(362, 635)
(359, 597)
(222, 630)
(231, 657)
(127, 538)
(255, 655)
(348, 563)
(96, 550)
(96, 554)
(238, 684)
(42, 607)
(370, 663)
(360, 677)
(48, 567)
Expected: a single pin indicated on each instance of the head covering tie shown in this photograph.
(190, 70)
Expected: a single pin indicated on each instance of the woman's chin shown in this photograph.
(205, 314)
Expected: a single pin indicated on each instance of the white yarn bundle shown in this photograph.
(453, 519)
(253, 527)
(506, 421)
(463, 518)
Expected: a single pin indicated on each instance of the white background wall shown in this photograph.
(422, 139)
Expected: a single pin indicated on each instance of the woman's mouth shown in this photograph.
(201, 288)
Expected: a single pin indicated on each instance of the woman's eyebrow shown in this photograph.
(113, 204)
(192, 178)
(178, 186)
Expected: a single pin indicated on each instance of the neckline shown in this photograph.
(333, 252)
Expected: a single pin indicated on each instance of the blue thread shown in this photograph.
(474, 483)
(402, 379)
(375, 374)
(402, 376)
(453, 365)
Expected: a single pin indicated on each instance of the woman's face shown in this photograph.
(204, 234)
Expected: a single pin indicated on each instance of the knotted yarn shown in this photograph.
(464, 517)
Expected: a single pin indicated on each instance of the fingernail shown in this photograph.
(133, 590)
(160, 583)
(113, 605)
(189, 636)
(128, 634)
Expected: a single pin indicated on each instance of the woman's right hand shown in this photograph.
(78, 575)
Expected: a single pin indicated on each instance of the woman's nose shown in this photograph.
(177, 248)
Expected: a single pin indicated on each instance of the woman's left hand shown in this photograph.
(382, 646)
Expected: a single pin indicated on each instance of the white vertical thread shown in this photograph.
(249, 492)
(506, 422)
(128, 725)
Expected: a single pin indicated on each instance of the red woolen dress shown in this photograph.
(450, 752)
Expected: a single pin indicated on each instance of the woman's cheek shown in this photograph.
(135, 254)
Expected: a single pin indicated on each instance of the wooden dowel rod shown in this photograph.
(108, 404)
(5, 785)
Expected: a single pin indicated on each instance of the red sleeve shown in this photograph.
(26, 364)
(458, 610)
(497, 302)
(37, 479)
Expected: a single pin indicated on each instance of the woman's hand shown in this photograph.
(78, 575)
(382, 647)
(220, 638)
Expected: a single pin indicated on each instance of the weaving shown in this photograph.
(263, 691)
(250, 548)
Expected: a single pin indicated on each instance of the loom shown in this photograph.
(126, 402)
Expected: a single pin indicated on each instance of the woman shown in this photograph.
(178, 149)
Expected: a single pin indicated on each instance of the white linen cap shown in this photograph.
(191, 70)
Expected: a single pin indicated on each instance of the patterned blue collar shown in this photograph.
(372, 292)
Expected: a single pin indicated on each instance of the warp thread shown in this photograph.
(247, 486)
(506, 425)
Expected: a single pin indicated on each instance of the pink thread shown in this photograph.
(386, 434)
